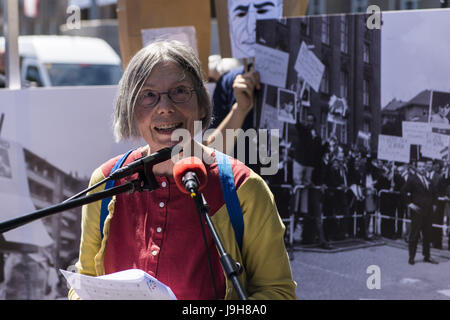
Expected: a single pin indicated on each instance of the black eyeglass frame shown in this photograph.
(159, 94)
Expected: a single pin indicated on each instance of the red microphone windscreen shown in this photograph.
(193, 164)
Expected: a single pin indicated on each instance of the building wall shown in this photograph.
(353, 65)
(367, 71)
(49, 186)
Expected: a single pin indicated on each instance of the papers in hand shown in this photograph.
(132, 284)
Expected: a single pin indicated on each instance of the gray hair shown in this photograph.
(137, 72)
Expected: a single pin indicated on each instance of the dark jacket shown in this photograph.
(418, 193)
(223, 99)
(308, 150)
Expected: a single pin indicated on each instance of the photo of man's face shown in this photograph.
(242, 19)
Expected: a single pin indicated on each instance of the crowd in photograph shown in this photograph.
(341, 191)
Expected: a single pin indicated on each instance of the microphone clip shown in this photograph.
(147, 179)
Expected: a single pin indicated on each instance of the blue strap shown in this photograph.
(230, 195)
(109, 184)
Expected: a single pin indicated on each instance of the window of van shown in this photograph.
(65, 74)
(33, 75)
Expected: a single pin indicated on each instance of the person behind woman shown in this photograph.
(159, 232)
(2, 69)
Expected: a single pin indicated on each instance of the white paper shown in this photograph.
(415, 132)
(441, 128)
(269, 120)
(309, 67)
(334, 119)
(436, 146)
(132, 284)
(272, 65)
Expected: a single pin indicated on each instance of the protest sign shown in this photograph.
(415, 132)
(291, 8)
(393, 148)
(309, 67)
(135, 15)
(286, 105)
(439, 108)
(272, 65)
(436, 146)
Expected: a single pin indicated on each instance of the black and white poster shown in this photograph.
(51, 140)
(377, 102)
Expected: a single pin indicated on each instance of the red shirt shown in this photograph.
(160, 232)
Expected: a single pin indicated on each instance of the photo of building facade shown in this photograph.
(50, 186)
(351, 55)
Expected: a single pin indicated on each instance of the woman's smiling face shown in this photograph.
(157, 123)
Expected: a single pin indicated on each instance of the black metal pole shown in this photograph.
(231, 268)
(17, 222)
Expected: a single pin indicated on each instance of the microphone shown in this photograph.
(190, 175)
(154, 158)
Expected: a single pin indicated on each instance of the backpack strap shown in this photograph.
(230, 196)
(109, 184)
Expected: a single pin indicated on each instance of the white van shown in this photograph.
(49, 61)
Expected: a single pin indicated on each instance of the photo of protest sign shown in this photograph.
(439, 111)
(309, 67)
(415, 132)
(272, 65)
(436, 146)
(286, 106)
(393, 148)
(230, 37)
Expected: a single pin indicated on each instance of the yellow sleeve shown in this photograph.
(90, 233)
(266, 261)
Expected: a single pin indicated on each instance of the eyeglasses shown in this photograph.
(181, 94)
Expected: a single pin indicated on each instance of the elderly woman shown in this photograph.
(159, 231)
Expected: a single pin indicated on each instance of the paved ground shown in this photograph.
(343, 273)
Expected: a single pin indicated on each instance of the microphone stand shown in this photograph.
(145, 181)
(232, 269)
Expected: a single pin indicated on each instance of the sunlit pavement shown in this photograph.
(360, 270)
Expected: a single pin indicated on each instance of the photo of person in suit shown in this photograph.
(420, 193)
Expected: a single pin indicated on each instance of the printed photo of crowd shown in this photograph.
(359, 160)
